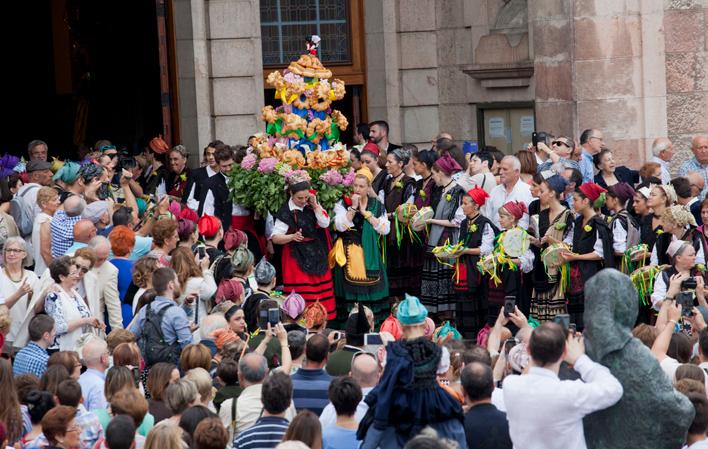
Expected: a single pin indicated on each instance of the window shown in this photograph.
(507, 128)
(285, 24)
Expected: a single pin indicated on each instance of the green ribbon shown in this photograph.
(334, 133)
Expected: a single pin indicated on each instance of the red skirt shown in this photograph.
(245, 223)
(310, 286)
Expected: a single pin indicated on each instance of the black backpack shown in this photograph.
(152, 341)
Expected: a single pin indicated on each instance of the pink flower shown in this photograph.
(267, 165)
(331, 177)
(349, 178)
(249, 161)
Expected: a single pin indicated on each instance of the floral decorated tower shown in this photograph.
(301, 134)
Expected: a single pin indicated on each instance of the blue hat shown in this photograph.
(557, 183)
(446, 329)
(411, 311)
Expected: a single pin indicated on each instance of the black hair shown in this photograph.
(356, 153)
(682, 186)
(299, 187)
(123, 216)
(38, 404)
(277, 393)
(228, 371)
(427, 157)
(597, 158)
(193, 416)
(547, 344)
(477, 381)
(120, 432)
(485, 156)
(575, 177)
(317, 348)
(363, 129)
(381, 123)
(344, 394)
(585, 136)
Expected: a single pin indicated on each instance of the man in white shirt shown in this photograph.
(662, 151)
(696, 438)
(703, 348)
(512, 188)
(480, 167)
(545, 412)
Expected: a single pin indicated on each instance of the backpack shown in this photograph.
(23, 212)
(152, 341)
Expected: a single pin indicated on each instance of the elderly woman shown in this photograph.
(72, 316)
(61, 429)
(436, 288)
(16, 285)
(175, 182)
(48, 202)
(678, 223)
(360, 272)
(122, 240)
(683, 267)
(164, 239)
(197, 282)
(301, 227)
(610, 174)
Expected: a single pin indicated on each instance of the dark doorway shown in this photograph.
(76, 71)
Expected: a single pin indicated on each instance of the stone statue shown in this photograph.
(651, 414)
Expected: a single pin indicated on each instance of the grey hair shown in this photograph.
(97, 241)
(36, 143)
(180, 395)
(516, 163)
(74, 206)
(250, 374)
(660, 145)
(19, 241)
(210, 323)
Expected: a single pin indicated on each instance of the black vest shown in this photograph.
(222, 199)
(197, 180)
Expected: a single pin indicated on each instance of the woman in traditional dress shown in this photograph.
(592, 247)
(426, 191)
(477, 234)
(437, 292)
(360, 271)
(403, 252)
(678, 223)
(683, 267)
(370, 159)
(301, 227)
(555, 225)
(660, 197)
(625, 229)
(176, 180)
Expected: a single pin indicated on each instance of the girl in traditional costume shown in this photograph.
(370, 158)
(427, 192)
(403, 251)
(555, 227)
(512, 256)
(301, 227)
(660, 197)
(592, 247)
(624, 227)
(437, 292)
(477, 234)
(359, 269)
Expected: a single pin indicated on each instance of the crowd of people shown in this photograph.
(436, 306)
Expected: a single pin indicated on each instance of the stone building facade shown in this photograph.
(484, 70)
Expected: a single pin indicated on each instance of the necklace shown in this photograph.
(447, 185)
(22, 275)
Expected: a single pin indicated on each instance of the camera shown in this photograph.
(540, 136)
(564, 320)
(509, 305)
(689, 284)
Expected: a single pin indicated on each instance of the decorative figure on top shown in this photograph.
(313, 44)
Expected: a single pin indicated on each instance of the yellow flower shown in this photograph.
(559, 226)
(398, 185)
(422, 193)
(183, 176)
(659, 231)
(587, 228)
(448, 197)
(473, 227)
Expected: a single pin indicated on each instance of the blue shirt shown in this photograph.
(75, 247)
(310, 388)
(335, 437)
(175, 324)
(92, 382)
(143, 245)
(266, 433)
(62, 230)
(586, 167)
(693, 165)
(32, 359)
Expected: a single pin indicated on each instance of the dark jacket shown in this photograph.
(487, 428)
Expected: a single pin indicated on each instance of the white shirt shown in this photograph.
(703, 444)
(329, 414)
(341, 223)
(19, 309)
(499, 197)
(236, 209)
(700, 257)
(665, 171)
(619, 237)
(485, 181)
(193, 203)
(280, 228)
(205, 287)
(39, 265)
(545, 412)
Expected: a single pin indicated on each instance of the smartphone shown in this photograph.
(534, 138)
(372, 339)
(202, 251)
(509, 305)
(273, 316)
(508, 344)
(572, 328)
(564, 320)
(263, 319)
(336, 335)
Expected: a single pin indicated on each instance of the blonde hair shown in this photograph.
(165, 436)
(202, 380)
(4, 319)
(44, 195)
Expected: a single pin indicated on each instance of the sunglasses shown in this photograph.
(82, 269)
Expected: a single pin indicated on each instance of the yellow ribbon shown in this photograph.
(446, 250)
(337, 255)
(331, 95)
(282, 95)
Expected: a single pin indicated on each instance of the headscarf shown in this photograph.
(242, 259)
(366, 173)
(479, 196)
(229, 290)
(356, 326)
(392, 326)
(264, 272)
(675, 246)
(411, 311)
(68, 173)
(234, 238)
(516, 208)
(669, 191)
(223, 336)
(623, 191)
(371, 147)
(403, 155)
(446, 329)
(293, 306)
(594, 193)
(557, 183)
(645, 192)
(189, 214)
(158, 145)
(448, 165)
(209, 226)
(679, 214)
(314, 315)
(519, 357)
(90, 171)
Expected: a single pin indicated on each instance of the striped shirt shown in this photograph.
(310, 387)
(266, 433)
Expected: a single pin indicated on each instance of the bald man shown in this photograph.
(699, 162)
(84, 231)
(662, 151)
(366, 372)
(95, 356)
(62, 224)
(107, 276)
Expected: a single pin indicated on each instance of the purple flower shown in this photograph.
(349, 177)
(331, 177)
(267, 165)
(249, 161)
